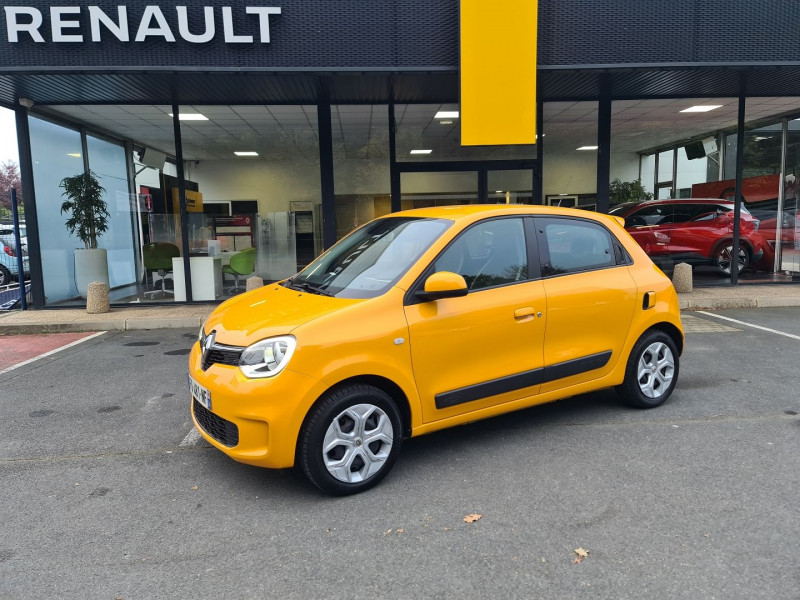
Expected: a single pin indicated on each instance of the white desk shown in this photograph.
(206, 277)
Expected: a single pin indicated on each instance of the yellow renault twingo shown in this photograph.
(427, 319)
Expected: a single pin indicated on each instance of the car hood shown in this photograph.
(268, 311)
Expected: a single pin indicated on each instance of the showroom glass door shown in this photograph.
(479, 185)
(787, 254)
(421, 189)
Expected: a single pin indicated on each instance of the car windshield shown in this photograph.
(370, 260)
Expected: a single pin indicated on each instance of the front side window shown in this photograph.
(369, 261)
(572, 245)
(488, 254)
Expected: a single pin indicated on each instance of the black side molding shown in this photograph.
(522, 380)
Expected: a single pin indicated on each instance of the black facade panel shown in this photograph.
(633, 32)
(414, 35)
(338, 35)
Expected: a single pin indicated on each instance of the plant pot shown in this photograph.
(90, 265)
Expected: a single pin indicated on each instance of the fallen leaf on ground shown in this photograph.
(194, 487)
(472, 518)
(400, 531)
(388, 531)
(580, 555)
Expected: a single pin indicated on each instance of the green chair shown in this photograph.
(157, 259)
(242, 263)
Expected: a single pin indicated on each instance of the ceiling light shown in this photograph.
(190, 117)
(448, 122)
(498, 191)
(248, 153)
(760, 138)
(420, 151)
(587, 148)
(74, 154)
(446, 114)
(701, 108)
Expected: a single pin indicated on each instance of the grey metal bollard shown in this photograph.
(682, 278)
(254, 283)
(97, 298)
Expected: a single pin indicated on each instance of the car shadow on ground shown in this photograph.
(427, 451)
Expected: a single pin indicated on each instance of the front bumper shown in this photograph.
(254, 421)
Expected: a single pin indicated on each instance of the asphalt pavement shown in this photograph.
(108, 494)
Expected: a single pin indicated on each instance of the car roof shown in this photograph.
(474, 212)
(685, 201)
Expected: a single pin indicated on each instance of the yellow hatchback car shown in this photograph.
(427, 319)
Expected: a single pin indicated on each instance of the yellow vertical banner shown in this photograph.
(498, 72)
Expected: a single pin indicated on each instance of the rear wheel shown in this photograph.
(351, 439)
(651, 372)
(723, 257)
(5, 276)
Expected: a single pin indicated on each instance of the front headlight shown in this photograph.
(267, 357)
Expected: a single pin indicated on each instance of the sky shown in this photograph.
(8, 136)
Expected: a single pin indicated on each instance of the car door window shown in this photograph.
(488, 254)
(573, 245)
(659, 214)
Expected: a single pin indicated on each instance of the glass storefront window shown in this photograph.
(570, 153)
(107, 160)
(432, 132)
(510, 187)
(681, 133)
(255, 176)
(360, 164)
(770, 185)
(57, 153)
(665, 162)
(422, 190)
(647, 173)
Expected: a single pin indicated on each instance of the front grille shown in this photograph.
(222, 430)
(222, 355)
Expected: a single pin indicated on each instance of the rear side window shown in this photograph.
(572, 245)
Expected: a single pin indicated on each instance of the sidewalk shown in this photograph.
(167, 316)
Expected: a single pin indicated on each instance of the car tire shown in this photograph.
(651, 371)
(723, 257)
(5, 276)
(351, 439)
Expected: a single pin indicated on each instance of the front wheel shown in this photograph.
(5, 276)
(723, 258)
(651, 372)
(351, 439)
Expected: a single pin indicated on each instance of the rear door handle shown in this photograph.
(521, 313)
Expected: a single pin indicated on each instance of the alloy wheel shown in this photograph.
(357, 443)
(656, 369)
(726, 258)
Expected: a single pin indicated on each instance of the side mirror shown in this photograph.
(443, 284)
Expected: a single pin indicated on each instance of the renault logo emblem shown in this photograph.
(207, 344)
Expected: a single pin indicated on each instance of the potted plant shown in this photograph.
(88, 219)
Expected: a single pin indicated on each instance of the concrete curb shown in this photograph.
(129, 324)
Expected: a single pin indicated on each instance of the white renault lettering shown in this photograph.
(65, 24)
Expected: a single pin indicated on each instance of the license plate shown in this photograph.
(199, 393)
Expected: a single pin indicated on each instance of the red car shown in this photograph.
(698, 231)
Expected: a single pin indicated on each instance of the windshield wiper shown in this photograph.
(307, 287)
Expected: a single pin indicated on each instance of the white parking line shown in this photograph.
(191, 438)
(775, 331)
(51, 352)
